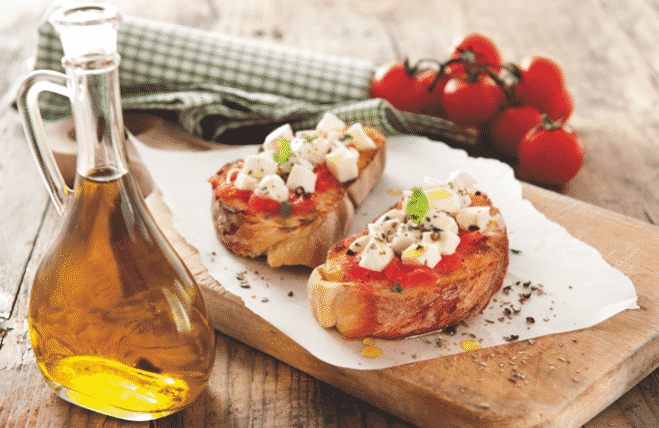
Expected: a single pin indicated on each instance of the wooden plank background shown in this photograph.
(609, 50)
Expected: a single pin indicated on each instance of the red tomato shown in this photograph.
(472, 103)
(468, 238)
(542, 85)
(395, 83)
(259, 203)
(510, 126)
(419, 277)
(304, 205)
(550, 156)
(449, 263)
(476, 47)
(324, 179)
(226, 191)
(431, 98)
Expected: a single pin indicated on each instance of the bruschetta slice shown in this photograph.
(295, 197)
(408, 274)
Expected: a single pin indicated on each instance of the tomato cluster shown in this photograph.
(522, 108)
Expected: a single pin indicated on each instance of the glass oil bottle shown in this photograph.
(117, 322)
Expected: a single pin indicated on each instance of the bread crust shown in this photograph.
(298, 239)
(382, 311)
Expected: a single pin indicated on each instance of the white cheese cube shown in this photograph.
(286, 167)
(376, 255)
(245, 182)
(260, 165)
(271, 141)
(331, 126)
(461, 178)
(342, 163)
(439, 220)
(404, 237)
(393, 214)
(383, 229)
(465, 199)
(421, 253)
(272, 186)
(301, 177)
(358, 245)
(356, 135)
(313, 151)
(447, 242)
(443, 199)
(473, 218)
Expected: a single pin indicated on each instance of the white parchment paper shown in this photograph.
(555, 283)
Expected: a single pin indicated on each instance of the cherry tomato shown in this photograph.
(542, 85)
(430, 102)
(472, 103)
(395, 83)
(478, 48)
(510, 126)
(550, 156)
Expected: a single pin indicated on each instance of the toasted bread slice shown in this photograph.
(360, 302)
(294, 238)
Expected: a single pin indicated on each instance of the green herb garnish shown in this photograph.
(284, 151)
(418, 205)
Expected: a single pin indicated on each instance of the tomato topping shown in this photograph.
(356, 273)
(449, 263)
(259, 203)
(304, 204)
(395, 268)
(468, 238)
(226, 192)
(419, 277)
(324, 179)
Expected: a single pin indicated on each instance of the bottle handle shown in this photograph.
(28, 106)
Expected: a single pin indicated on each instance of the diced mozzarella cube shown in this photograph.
(271, 141)
(313, 151)
(465, 199)
(358, 244)
(439, 220)
(356, 135)
(301, 177)
(260, 165)
(473, 218)
(330, 125)
(272, 186)
(463, 179)
(421, 253)
(443, 199)
(447, 241)
(245, 182)
(383, 229)
(404, 237)
(342, 163)
(376, 255)
(294, 159)
(393, 214)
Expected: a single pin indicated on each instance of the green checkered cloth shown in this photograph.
(217, 84)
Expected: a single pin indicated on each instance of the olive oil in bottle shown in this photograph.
(117, 322)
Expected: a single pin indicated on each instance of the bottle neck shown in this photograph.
(97, 113)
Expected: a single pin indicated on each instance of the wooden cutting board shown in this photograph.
(560, 380)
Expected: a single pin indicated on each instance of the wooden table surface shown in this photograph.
(610, 53)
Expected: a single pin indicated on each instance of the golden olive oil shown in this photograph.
(117, 322)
